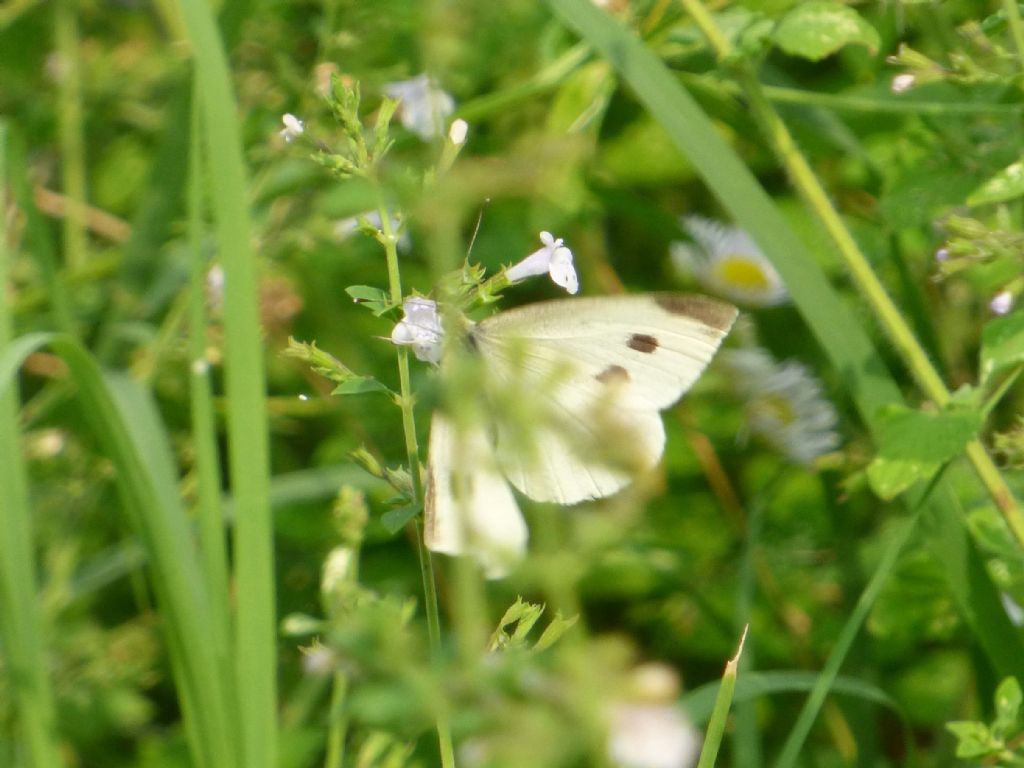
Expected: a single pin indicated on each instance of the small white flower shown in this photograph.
(553, 259)
(942, 255)
(458, 131)
(643, 735)
(785, 404)
(1001, 303)
(903, 83)
(337, 569)
(727, 261)
(319, 661)
(425, 107)
(648, 729)
(421, 329)
(293, 127)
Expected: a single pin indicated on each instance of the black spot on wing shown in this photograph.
(641, 342)
(613, 374)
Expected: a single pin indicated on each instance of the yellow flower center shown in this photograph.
(743, 272)
(777, 408)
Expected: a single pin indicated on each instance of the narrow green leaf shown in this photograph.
(818, 29)
(21, 624)
(395, 519)
(245, 389)
(359, 385)
(1007, 184)
(1002, 344)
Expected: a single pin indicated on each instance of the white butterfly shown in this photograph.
(595, 372)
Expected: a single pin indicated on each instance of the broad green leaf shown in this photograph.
(1002, 343)
(973, 739)
(372, 298)
(394, 519)
(1008, 184)
(818, 29)
(914, 444)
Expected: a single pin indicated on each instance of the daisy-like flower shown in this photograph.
(785, 404)
(293, 127)
(420, 329)
(424, 106)
(553, 259)
(727, 261)
(650, 730)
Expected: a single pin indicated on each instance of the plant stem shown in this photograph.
(814, 196)
(444, 734)
(70, 126)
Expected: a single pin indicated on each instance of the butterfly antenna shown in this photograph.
(476, 229)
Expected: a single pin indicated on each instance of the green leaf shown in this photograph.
(1007, 184)
(818, 29)
(359, 385)
(394, 519)
(973, 739)
(1002, 344)
(554, 631)
(914, 445)
(374, 299)
(1008, 701)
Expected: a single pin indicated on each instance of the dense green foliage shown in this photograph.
(210, 531)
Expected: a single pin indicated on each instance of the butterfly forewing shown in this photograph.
(600, 370)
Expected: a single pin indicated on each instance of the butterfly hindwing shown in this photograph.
(469, 506)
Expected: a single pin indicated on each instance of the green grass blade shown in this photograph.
(720, 711)
(124, 419)
(38, 237)
(20, 620)
(212, 530)
(255, 629)
(809, 713)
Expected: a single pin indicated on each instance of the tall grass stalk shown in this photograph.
(245, 385)
(71, 129)
(20, 619)
(212, 533)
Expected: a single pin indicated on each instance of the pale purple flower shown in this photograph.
(553, 259)
(1001, 303)
(420, 329)
(424, 106)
